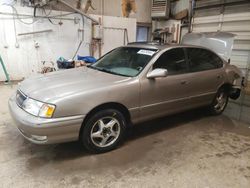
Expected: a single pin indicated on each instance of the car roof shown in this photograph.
(162, 46)
(157, 45)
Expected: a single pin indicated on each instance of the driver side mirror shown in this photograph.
(157, 73)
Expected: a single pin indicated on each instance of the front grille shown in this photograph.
(20, 98)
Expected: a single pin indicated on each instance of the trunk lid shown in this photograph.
(219, 42)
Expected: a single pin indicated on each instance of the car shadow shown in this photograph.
(75, 149)
(165, 123)
(73, 156)
(140, 140)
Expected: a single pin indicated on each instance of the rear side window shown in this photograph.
(201, 60)
(173, 60)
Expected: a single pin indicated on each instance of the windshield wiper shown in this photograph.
(97, 68)
(105, 70)
(92, 67)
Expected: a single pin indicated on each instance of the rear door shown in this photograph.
(207, 74)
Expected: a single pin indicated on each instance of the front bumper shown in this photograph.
(45, 131)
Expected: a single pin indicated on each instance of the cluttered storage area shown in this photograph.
(125, 93)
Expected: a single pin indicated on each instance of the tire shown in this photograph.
(103, 131)
(219, 102)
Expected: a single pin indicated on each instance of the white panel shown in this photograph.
(239, 58)
(113, 35)
(241, 45)
(211, 12)
(242, 35)
(211, 27)
(207, 2)
(62, 41)
(236, 23)
(236, 26)
(206, 19)
(26, 60)
(222, 18)
(236, 17)
(237, 8)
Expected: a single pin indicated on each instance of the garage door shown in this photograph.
(229, 16)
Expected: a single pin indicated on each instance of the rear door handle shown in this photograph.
(219, 76)
(183, 82)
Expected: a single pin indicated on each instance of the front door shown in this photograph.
(161, 96)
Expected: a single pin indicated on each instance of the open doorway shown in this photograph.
(143, 32)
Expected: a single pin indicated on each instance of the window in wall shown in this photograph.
(172, 60)
(142, 34)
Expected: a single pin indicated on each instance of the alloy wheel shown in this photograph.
(105, 131)
(220, 102)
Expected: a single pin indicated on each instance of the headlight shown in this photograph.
(38, 108)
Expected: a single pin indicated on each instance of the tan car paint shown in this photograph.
(78, 91)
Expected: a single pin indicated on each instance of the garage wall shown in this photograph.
(233, 17)
(19, 53)
(21, 56)
(114, 8)
(114, 34)
(235, 20)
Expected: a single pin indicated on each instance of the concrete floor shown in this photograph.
(186, 150)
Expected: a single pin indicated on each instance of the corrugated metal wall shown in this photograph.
(230, 16)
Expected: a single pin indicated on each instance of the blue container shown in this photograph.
(87, 59)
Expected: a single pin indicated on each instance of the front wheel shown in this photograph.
(220, 102)
(104, 131)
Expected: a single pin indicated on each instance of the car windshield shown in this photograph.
(124, 61)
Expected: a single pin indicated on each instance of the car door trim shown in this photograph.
(175, 100)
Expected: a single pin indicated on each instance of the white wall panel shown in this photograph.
(62, 41)
(26, 59)
(205, 28)
(238, 24)
(240, 58)
(113, 35)
(241, 26)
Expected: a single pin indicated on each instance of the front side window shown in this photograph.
(201, 60)
(173, 60)
(125, 61)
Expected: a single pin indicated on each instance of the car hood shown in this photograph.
(219, 42)
(51, 86)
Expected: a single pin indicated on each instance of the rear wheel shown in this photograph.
(220, 102)
(104, 131)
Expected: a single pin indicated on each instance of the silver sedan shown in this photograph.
(131, 84)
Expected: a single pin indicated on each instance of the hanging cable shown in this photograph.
(82, 39)
(17, 15)
(48, 17)
(14, 21)
(44, 10)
